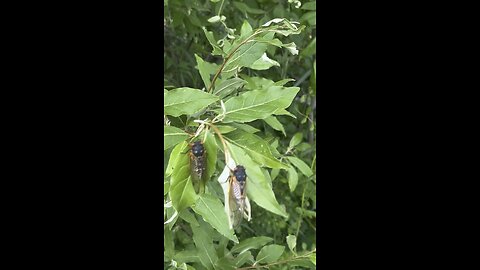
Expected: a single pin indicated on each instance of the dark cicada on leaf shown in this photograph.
(197, 166)
(238, 203)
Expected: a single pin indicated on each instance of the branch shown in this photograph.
(280, 262)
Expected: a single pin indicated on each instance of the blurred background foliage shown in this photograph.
(184, 37)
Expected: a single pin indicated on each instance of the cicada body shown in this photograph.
(237, 197)
(198, 165)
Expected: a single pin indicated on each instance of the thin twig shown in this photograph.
(228, 58)
(280, 262)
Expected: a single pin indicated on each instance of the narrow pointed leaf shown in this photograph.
(292, 178)
(301, 165)
(250, 243)
(275, 124)
(205, 249)
(212, 211)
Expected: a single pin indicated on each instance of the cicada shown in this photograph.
(238, 203)
(197, 165)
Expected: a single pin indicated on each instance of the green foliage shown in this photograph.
(240, 77)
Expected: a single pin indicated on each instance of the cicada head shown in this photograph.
(197, 149)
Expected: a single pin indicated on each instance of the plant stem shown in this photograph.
(280, 262)
(225, 149)
(228, 58)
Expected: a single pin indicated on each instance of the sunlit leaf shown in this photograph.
(259, 104)
(206, 69)
(186, 101)
(212, 211)
(227, 87)
(292, 242)
(172, 136)
(263, 63)
(256, 148)
(211, 39)
(246, 29)
(181, 189)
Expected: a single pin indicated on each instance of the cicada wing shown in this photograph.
(248, 209)
(197, 169)
(236, 203)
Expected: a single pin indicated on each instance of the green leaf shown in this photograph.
(310, 17)
(224, 129)
(186, 256)
(259, 104)
(284, 112)
(188, 217)
(211, 39)
(226, 87)
(263, 63)
(205, 69)
(181, 189)
(275, 124)
(292, 48)
(292, 242)
(168, 243)
(225, 264)
(211, 150)
(274, 173)
(250, 243)
(212, 211)
(172, 136)
(174, 156)
(204, 243)
(256, 148)
(186, 101)
(310, 6)
(245, 127)
(296, 139)
(242, 258)
(245, 55)
(270, 253)
(259, 188)
(292, 178)
(257, 83)
(243, 7)
(313, 258)
(311, 49)
(301, 165)
(246, 29)
(283, 82)
(214, 19)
